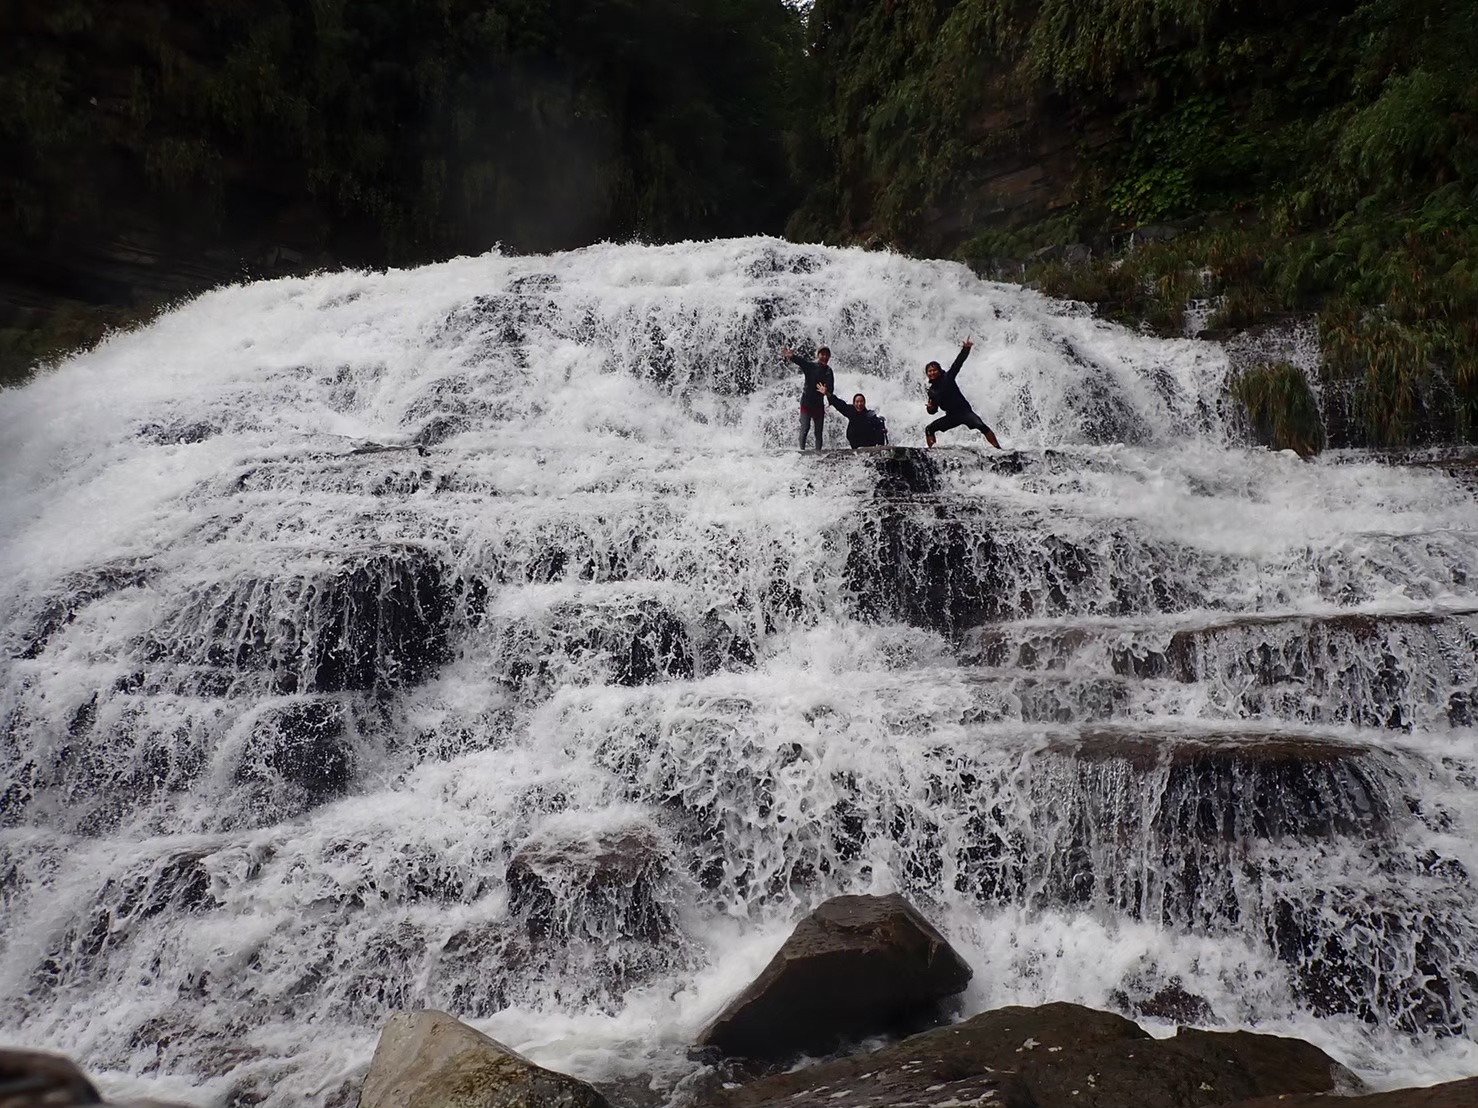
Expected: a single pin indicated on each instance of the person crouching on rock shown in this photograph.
(944, 393)
(864, 426)
(813, 403)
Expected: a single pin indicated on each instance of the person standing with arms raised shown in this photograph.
(813, 401)
(945, 393)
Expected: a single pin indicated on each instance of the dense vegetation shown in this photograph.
(1320, 161)
(1325, 156)
(394, 130)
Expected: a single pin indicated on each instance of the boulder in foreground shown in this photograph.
(1055, 1056)
(429, 1059)
(1453, 1094)
(33, 1079)
(29, 1077)
(856, 966)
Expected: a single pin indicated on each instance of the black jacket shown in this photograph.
(864, 428)
(815, 372)
(945, 393)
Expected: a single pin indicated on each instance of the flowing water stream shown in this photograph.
(475, 637)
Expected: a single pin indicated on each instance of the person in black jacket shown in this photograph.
(864, 426)
(944, 393)
(813, 403)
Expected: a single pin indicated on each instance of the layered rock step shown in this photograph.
(1396, 669)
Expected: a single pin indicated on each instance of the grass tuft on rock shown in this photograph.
(1281, 407)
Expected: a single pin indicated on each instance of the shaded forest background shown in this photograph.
(1319, 162)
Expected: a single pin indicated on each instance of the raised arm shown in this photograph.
(954, 369)
(791, 356)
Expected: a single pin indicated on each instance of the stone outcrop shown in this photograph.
(1452, 1094)
(857, 966)
(429, 1059)
(34, 1079)
(29, 1079)
(1056, 1056)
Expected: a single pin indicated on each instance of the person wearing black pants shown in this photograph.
(945, 393)
(813, 402)
(864, 426)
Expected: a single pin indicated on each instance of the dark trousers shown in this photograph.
(950, 420)
(808, 417)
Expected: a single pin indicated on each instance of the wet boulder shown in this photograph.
(1450, 1094)
(1192, 1069)
(29, 1079)
(32, 1079)
(977, 1061)
(431, 1058)
(856, 966)
(1055, 1056)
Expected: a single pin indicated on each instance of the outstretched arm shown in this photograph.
(846, 409)
(954, 370)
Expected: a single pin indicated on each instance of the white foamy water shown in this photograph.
(475, 637)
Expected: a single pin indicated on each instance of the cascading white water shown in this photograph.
(475, 637)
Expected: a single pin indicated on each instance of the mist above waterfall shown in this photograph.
(474, 637)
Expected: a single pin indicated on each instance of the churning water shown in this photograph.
(475, 637)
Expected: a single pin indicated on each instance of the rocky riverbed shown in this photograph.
(856, 966)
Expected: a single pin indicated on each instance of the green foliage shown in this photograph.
(1282, 407)
(401, 129)
(1082, 44)
(991, 243)
(1178, 161)
(1333, 146)
(448, 124)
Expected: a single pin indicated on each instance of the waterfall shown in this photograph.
(475, 637)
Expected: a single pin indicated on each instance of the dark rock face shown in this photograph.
(78, 591)
(858, 965)
(1417, 990)
(29, 1079)
(1055, 1056)
(1452, 1094)
(1266, 786)
(1170, 1002)
(641, 644)
(938, 573)
(976, 1060)
(384, 622)
(380, 621)
(299, 756)
(613, 884)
